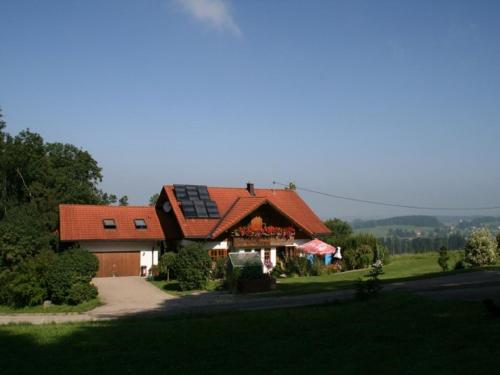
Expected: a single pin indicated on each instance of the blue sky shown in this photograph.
(384, 100)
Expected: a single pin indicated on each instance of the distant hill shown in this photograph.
(415, 220)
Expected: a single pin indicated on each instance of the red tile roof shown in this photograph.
(236, 203)
(85, 222)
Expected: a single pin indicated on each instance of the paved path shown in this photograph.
(132, 296)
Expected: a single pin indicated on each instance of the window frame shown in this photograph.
(107, 226)
(145, 226)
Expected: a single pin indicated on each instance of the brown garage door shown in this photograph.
(118, 264)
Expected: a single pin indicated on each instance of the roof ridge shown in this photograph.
(103, 205)
(239, 217)
(223, 217)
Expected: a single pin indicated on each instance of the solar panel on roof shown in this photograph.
(200, 208)
(195, 201)
(192, 192)
(212, 209)
(180, 192)
(188, 209)
(203, 193)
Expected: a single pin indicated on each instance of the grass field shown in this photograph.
(402, 267)
(85, 306)
(395, 334)
(408, 266)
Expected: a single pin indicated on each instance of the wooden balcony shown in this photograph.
(260, 242)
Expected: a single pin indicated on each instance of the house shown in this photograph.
(125, 239)
(271, 222)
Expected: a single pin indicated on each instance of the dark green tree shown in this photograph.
(443, 258)
(123, 201)
(153, 199)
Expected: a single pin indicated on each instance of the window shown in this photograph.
(217, 254)
(140, 224)
(109, 223)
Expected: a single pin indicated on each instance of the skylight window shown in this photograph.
(109, 223)
(140, 224)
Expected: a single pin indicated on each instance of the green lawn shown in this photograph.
(85, 306)
(408, 266)
(395, 334)
(402, 267)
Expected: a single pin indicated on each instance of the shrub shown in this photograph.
(75, 266)
(360, 257)
(24, 290)
(498, 243)
(443, 258)
(372, 286)
(81, 292)
(365, 256)
(192, 267)
(480, 248)
(251, 272)
(317, 268)
(26, 285)
(231, 280)
(219, 269)
(166, 264)
(297, 266)
(382, 254)
(460, 265)
(279, 269)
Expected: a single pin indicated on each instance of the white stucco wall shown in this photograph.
(208, 245)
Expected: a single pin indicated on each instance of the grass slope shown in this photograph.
(85, 306)
(395, 334)
(408, 266)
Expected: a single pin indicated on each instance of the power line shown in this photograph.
(387, 204)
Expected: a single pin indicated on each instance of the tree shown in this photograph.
(23, 234)
(123, 201)
(341, 231)
(167, 262)
(108, 199)
(498, 243)
(192, 267)
(45, 175)
(153, 199)
(480, 248)
(443, 258)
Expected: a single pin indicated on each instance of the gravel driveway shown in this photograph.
(127, 295)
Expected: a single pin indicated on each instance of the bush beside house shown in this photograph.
(61, 278)
(192, 267)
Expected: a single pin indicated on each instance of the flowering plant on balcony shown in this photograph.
(268, 231)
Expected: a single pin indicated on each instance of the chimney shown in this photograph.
(251, 188)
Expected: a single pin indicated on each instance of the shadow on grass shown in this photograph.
(305, 286)
(392, 335)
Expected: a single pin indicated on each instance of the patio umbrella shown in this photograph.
(317, 247)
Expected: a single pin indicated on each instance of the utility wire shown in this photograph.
(387, 204)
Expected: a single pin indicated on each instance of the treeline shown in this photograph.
(35, 177)
(397, 245)
(415, 220)
(476, 222)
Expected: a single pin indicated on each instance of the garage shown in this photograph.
(125, 239)
(119, 264)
